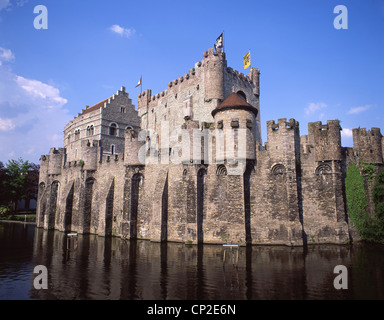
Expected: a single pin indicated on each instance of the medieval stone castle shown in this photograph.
(189, 166)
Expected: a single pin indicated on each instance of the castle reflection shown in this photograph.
(111, 268)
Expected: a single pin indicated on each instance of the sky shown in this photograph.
(310, 70)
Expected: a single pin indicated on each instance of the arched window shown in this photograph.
(278, 170)
(323, 169)
(242, 94)
(128, 128)
(90, 130)
(41, 188)
(77, 134)
(221, 170)
(113, 129)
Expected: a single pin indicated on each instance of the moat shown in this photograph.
(111, 268)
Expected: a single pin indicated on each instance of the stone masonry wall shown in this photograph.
(275, 212)
(290, 192)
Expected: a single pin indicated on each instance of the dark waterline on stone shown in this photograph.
(110, 268)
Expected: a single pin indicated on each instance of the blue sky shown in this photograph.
(310, 71)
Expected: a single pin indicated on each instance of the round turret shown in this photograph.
(215, 64)
(237, 119)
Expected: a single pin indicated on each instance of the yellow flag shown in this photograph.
(247, 60)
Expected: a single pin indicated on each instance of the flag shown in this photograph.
(247, 60)
(139, 83)
(219, 41)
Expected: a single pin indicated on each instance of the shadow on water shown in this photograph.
(111, 268)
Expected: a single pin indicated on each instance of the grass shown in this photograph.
(20, 216)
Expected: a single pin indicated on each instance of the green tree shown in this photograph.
(2, 186)
(370, 228)
(20, 181)
(356, 198)
(378, 196)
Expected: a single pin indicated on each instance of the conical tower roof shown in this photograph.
(234, 101)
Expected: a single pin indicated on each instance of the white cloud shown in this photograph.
(4, 4)
(6, 125)
(346, 133)
(5, 55)
(32, 117)
(39, 90)
(7, 4)
(30, 151)
(357, 110)
(124, 32)
(313, 107)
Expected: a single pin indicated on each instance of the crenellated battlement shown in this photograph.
(282, 124)
(326, 139)
(190, 167)
(282, 139)
(368, 144)
(247, 80)
(113, 158)
(208, 76)
(374, 132)
(51, 164)
(146, 98)
(211, 54)
(100, 106)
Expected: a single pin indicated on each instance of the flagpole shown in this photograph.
(141, 84)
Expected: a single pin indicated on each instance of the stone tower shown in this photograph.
(368, 145)
(237, 119)
(322, 184)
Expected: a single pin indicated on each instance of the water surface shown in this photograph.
(110, 268)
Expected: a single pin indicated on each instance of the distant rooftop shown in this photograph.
(95, 107)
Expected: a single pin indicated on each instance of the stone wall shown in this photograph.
(93, 124)
(289, 191)
(368, 145)
(275, 210)
(324, 207)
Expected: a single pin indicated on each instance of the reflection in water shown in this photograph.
(111, 268)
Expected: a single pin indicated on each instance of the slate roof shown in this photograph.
(234, 101)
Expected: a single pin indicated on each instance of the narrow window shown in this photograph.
(112, 129)
(77, 134)
(90, 130)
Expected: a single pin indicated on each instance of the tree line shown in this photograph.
(19, 180)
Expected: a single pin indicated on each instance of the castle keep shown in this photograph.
(189, 166)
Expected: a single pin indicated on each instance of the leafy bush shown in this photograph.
(378, 196)
(369, 169)
(81, 163)
(370, 228)
(356, 197)
(4, 210)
